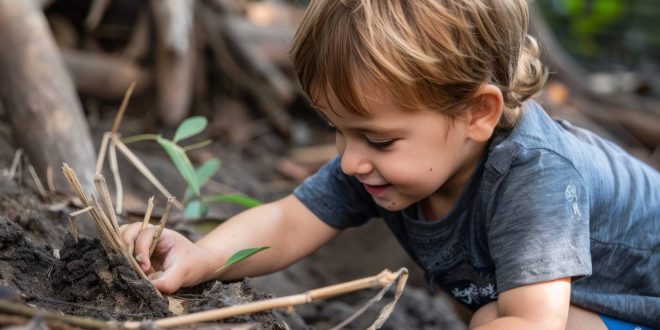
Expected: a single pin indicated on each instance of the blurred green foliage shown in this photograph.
(606, 34)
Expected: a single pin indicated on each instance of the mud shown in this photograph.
(82, 279)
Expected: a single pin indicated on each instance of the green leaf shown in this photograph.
(182, 163)
(233, 198)
(195, 210)
(206, 171)
(240, 256)
(189, 127)
(204, 174)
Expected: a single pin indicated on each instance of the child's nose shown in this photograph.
(354, 162)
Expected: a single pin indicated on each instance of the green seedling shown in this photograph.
(240, 256)
(196, 204)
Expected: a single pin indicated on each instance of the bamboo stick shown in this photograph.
(147, 215)
(20, 309)
(161, 225)
(119, 188)
(102, 189)
(102, 150)
(385, 278)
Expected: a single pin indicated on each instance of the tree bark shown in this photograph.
(39, 96)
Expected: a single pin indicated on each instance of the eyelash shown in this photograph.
(378, 145)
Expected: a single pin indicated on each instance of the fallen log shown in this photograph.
(175, 58)
(104, 76)
(39, 96)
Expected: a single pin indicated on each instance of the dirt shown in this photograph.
(44, 267)
(82, 279)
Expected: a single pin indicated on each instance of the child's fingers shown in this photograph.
(169, 280)
(142, 244)
(128, 234)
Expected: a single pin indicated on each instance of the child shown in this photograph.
(529, 222)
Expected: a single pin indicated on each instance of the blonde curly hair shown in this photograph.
(431, 53)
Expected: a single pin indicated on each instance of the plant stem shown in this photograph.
(197, 145)
(143, 169)
(122, 108)
(139, 137)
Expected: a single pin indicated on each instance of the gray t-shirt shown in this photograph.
(548, 201)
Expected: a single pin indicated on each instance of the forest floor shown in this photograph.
(41, 265)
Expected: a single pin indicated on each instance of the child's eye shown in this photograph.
(380, 145)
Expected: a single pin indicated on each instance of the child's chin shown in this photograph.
(391, 204)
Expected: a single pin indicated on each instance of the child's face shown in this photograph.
(403, 157)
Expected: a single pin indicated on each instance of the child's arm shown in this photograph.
(290, 230)
(535, 306)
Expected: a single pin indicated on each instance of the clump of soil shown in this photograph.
(87, 281)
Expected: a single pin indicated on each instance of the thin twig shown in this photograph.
(72, 221)
(383, 279)
(386, 310)
(119, 188)
(102, 189)
(14, 163)
(161, 225)
(102, 150)
(49, 179)
(122, 109)
(147, 215)
(21, 309)
(37, 182)
(139, 165)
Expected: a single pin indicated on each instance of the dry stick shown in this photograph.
(386, 311)
(49, 179)
(122, 109)
(144, 170)
(102, 188)
(147, 215)
(14, 163)
(102, 150)
(37, 182)
(103, 223)
(161, 225)
(108, 235)
(385, 278)
(112, 229)
(114, 168)
(115, 128)
(72, 221)
(7, 306)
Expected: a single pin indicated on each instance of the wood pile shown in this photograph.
(229, 56)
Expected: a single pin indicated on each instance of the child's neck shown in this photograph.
(439, 204)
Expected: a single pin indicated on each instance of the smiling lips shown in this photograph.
(376, 190)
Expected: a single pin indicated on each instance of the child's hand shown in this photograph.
(176, 261)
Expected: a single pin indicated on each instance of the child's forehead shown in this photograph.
(361, 101)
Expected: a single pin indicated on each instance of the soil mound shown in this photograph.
(82, 279)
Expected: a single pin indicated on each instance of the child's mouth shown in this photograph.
(376, 190)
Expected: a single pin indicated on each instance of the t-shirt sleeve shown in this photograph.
(337, 199)
(540, 228)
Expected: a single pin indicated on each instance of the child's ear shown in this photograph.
(485, 113)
